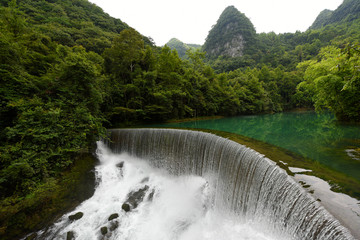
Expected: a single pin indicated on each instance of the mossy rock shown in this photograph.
(70, 235)
(126, 207)
(76, 216)
(104, 230)
(113, 216)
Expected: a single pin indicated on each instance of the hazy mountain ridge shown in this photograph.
(181, 47)
(321, 19)
(348, 11)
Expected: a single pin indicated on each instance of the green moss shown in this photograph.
(19, 216)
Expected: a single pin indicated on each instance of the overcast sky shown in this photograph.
(190, 20)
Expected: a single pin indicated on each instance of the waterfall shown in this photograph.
(164, 184)
(246, 183)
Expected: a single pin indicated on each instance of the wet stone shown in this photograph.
(76, 216)
(70, 235)
(120, 165)
(151, 195)
(134, 198)
(104, 230)
(113, 216)
(126, 207)
(114, 226)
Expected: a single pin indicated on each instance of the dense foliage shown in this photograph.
(50, 104)
(334, 81)
(157, 85)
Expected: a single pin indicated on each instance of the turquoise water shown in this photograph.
(315, 136)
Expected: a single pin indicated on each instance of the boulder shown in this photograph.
(70, 235)
(104, 230)
(134, 198)
(114, 225)
(76, 216)
(113, 216)
(126, 207)
(120, 165)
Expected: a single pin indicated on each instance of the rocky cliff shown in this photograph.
(233, 35)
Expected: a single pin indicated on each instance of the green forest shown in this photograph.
(69, 71)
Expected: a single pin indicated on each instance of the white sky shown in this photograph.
(190, 20)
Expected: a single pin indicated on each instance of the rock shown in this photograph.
(113, 216)
(76, 216)
(104, 230)
(120, 165)
(114, 226)
(70, 235)
(126, 207)
(151, 195)
(134, 198)
(231, 36)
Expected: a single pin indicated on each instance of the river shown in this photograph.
(316, 136)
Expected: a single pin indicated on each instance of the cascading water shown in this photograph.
(176, 184)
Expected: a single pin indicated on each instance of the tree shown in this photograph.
(56, 116)
(126, 51)
(336, 80)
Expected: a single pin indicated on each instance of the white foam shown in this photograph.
(181, 207)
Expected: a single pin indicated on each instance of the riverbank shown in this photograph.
(193, 119)
(20, 216)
